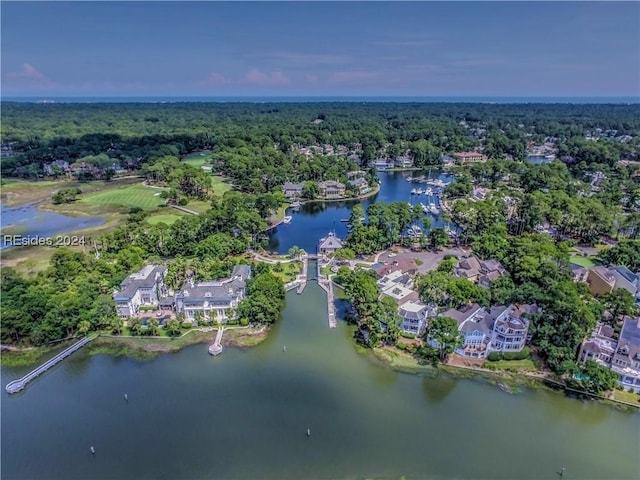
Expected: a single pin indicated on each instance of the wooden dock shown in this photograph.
(327, 286)
(302, 278)
(17, 385)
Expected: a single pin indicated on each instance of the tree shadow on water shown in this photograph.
(438, 388)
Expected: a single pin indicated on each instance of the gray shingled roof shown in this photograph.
(212, 292)
(292, 186)
(330, 242)
(626, 273)
(462, 314)
(218, 292)
(331, 184)
(629, 340)
(485, 320)
(145, 278)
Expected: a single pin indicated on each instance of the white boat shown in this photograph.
(436, 182)
(425, 209)
(428, 191)
(287, 219)
(433, 209)
(413, 191)
(419, 191)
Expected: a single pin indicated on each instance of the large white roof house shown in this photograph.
(215, 299)
(141, 288)
(414, 317)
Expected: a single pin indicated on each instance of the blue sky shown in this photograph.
(323, 48)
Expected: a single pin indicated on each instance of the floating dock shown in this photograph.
(216, 347)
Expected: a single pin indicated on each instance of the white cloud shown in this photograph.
(352, 77)
(28, 76)
(28, 72)
(298, 58)
(215, 78)
(268, 79)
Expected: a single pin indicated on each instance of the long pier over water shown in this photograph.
(17, 385)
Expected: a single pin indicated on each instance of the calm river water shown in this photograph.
(244, 414)
(28, 221)
(314, 220)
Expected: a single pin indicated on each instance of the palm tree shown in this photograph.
(173, 327)
(83, 327)
(295, 252)
(152, 327)
(116, 325)
(135, 326)
(198, 316)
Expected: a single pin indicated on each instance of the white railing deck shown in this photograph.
(19, 384)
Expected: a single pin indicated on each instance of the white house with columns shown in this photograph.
(214, 300)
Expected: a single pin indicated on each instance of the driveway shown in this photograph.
(429, 259)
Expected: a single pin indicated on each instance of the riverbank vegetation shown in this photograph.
(26, 357)
(265, 299)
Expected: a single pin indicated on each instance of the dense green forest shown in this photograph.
(253, 143)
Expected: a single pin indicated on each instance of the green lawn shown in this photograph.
(289, 271)
(628, 397)
(197, 159)
(325, 271)
(585, 262)
(278, 216)
(168, 218)
(199, 206)
(512, 365)
(16, 183)
(132, 196)
(219, 185)
(339, 293)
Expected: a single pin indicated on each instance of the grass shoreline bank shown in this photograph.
(142, 348)
(508, 380)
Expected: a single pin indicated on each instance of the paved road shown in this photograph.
(178, 207)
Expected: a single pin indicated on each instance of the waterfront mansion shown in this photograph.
(214, 300)
(500, 328)
(145, 287)
(622, 355)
